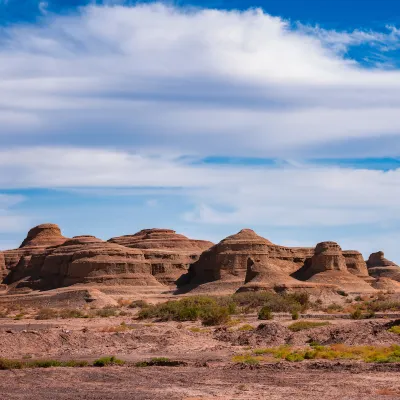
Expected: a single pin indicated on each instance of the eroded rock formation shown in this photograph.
(87, 259)
(355, 263)
(379, 266)
(226, 263)
(169, 253)
(37, 241)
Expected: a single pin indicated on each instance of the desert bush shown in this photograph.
(342, 293)
(15, 364)
(159, 362)
(382, 305)
(207, 309)
(10, 364)
(138, 304)
(395, 329)
(295, 315)
(265, 313)
(303, 325)
(107, 312)
(47, 313)
(356, 314)
(107, 361)
(333, 307)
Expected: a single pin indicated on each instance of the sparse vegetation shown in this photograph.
(265, 313)
(138, 304)
(47, 313)
(247, 359)
(107, 361)
(207, 309)
(159, 362)
(378, 354)
(246, 327)
(107, 312)
(304, 325)
(395, 329)
(15, 364)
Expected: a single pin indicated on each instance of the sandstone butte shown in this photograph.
(161, 257)
(169, 253)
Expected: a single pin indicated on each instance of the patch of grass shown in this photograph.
(246, 327)
(377, 354)
(246, 359)
(6, 364)
(303, 325)
(159, 362)
(356, 314)
(19, 316)
(395, 329)
(107, 361)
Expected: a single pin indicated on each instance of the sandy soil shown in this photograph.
(190, 383)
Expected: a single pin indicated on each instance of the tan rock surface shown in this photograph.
(355, 262)
(169, 253)
(39, 238)
(379, 266)
(224, 266)
(87, 259)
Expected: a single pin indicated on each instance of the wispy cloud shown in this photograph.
(191, 81)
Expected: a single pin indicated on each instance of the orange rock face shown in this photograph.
(228, 260)
(86, 259)
(38, 239)
(379, 266)
(3, 270)
(355, 262)
(169, 253)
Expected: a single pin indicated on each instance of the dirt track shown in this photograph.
(190, 383)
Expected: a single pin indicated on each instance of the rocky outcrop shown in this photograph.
(170, 254)
(227, 263)
(87, 259)
(355, 263)
(379, 266)
(38, 239)
(267, 275)
(329, 265)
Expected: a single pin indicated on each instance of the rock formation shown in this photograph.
(169, 253)
(87, 259)
(227, 263)
(38, 239)
(379, 266)
(355, 263)
(328, 265)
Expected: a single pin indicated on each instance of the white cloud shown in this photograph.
(193, 81)
(220, 194)
(9, 221)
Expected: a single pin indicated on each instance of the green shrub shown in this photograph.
(10, 364)
(395, 329)
(138, 304)
(106, 361)
(208, 309)
(107, 312)
(304, 325)
(342, 293)
(265, 313)
(356, 314)
(295, 315)
(159, 362)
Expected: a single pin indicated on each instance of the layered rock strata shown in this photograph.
(379, 266)
(170, 254)
(86, 259)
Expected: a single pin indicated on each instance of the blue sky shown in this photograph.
(204, 117)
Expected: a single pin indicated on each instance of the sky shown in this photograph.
(202, 116)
